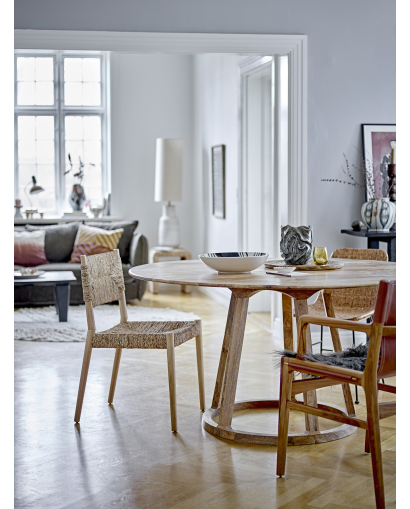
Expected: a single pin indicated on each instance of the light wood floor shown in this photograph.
(125, 455)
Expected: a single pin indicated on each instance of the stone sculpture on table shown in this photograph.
(296, 244)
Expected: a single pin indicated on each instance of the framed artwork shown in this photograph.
(218, 181)
(377, 149)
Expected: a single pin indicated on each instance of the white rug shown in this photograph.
(41, 324)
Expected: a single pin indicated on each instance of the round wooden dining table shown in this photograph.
(353, 274)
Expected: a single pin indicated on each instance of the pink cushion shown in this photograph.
(29, 248)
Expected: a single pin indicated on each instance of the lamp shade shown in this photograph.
(168, 170)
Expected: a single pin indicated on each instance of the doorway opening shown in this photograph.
(264, 170)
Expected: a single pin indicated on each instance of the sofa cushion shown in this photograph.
(125, 241)
(29, 248)
(59, 242)
(92, 241)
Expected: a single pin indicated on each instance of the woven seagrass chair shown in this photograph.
(103, 282)
(327, 370)
(350, 303)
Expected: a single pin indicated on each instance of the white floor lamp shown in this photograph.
(168, 188)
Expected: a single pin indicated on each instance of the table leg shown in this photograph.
(287, 322)
(391, 249)
(312, 421)
(62, 300)
(224, 354)
(372, 243)
(337, 346)
(238, 309)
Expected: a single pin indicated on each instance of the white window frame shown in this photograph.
(60, 111)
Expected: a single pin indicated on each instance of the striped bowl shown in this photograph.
(234, 262)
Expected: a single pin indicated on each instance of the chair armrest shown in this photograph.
(335, 323)
(138, 250)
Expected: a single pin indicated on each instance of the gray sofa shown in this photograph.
(59, 242)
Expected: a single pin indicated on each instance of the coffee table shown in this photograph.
(61, 282)
(296, 290)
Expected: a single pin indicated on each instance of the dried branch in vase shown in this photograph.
(366, 171)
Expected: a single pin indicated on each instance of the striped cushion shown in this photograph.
(91, 240)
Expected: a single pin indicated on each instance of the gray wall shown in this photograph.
(351, 70)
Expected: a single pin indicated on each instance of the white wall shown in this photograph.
(151, 97)
(215, 123)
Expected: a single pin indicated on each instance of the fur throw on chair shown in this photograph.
(352, 358)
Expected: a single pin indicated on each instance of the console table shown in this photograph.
(373, 239)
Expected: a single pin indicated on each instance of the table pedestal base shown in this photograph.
(306, 438)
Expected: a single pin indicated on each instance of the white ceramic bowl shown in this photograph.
(234, 261)
(284, 270)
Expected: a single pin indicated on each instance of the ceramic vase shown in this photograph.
(296, 244)
(379, 214)
(168, 227)
(77, 197)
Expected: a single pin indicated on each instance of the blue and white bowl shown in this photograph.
(234, 262)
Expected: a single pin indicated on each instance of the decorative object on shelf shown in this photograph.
(374, 187)
(391, 171)
(18, 206)
(357, 226)
(377, 154)
(35, 189)
(218, 181)
(77, 196)
(168, 187)
(296, 244)
(379, 214)
(96, 210)
(320, 256)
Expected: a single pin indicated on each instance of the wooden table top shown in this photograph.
(355, 273)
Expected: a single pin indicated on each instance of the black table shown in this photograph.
(373, 239)
(61, 283)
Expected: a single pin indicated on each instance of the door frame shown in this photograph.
(295, 46)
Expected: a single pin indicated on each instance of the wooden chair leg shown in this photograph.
(366, 442)
(172, 381)
(375, 445)
(84, 374)
(200, 364)
(114, 375)
(285, 395)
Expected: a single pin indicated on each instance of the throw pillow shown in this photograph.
(29, 248)
(91, 240)
(124, 246)
(60, 240)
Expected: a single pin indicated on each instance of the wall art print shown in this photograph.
(377, 148)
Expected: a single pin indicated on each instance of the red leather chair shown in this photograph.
(380, 363)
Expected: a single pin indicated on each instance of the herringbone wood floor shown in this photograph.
(125, 456)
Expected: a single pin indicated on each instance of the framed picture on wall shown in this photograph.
(218, 181)
(377, 149)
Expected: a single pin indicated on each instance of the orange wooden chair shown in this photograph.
(380, 363)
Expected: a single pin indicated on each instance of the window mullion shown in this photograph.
(60, 119)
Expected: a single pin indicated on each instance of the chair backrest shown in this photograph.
(360, 254)
(385, 313)
(358, 298)
(102, 278)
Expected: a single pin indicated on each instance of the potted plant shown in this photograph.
(379, 214)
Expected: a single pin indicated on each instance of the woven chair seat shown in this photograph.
(342, 312)
(146, 334)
